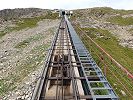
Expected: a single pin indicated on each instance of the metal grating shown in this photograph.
(89, 66)
(70, 71)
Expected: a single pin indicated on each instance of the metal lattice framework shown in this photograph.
(70, 71)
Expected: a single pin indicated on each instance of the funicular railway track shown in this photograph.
(70, 73)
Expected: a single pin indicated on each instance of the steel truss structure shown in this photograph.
(70, 73)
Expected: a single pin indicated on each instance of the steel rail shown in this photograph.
(76, 94)
(113, 60)
(40, 82)
(105, 64)
(78, 44)
(66, 77)
(57, 90)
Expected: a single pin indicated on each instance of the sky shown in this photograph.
(66, 4)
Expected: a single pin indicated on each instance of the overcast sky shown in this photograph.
(66, 4)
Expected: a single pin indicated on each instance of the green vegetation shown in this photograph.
(131, 29)
(34, 38)
(99, 85)
(77, 14)
(51, 15)
(28, 22)
(26, 42)
(97, 32)
(117, 78)
(124, 12)
(100, 92)
(24, 67)
(96, 84)
(22, 44)
(21, 24)
(5, 87)
(106, 10)
(121, 21)
(32, 22)
(5, 31)
(99, 12)
(111, 45)
(2, 34)
(36, 57)
(114, 74)
(31, 63)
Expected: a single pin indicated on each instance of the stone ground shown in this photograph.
(14, 61)
(123, 34)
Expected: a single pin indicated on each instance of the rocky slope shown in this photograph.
(118, 22)
(8, 14)
(25, 36)
(23, 44)
(113, 31)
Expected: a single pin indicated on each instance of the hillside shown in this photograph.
(118, 22)
(113, 30)
(25, 36)
(9, 14)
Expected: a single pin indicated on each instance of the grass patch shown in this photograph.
(51, 15)
(121, 21)
(31, 62)
(130, 30)
(97, 32)
(26, 42)
(99, 12)
(22, 44)
(123, 55)
(124, 12)
(28, 23)
(32, 22)
(110, 43)
(2, 34)
(21, 24)
(96, 84)
(5, 31)
(114, 70)
(100, 92)
(5, 87)
(23, 69)
(34, 38)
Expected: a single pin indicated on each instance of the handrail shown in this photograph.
(130, 75)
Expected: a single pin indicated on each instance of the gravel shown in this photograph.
(11, 58)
